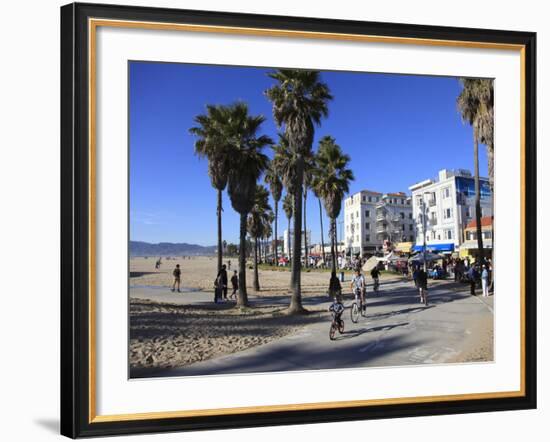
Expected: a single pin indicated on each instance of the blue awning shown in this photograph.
(450, 247)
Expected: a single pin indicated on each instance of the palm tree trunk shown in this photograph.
(478, 199)
(276, 222)
(256, 278)
(242, 299)
(305, 228)
(220, 247)
(289, 242)
(334, 288)
(295, 280)
(322, 235)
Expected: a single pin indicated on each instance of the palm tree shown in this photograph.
(314, 172)
(288, 208)
(299, 102)
(276, 187)
(212, 144)
(309, 165)
(248, 162)
(331, 182)
(267, 231)
(260, 216)
(475, 103)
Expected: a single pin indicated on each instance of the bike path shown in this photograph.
(397, 331)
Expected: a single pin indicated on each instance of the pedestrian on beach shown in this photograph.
(235, 284)
(229, 264)
(177, 278)
(221, 283)
(485, 281)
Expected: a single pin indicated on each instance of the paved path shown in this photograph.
(397, 331)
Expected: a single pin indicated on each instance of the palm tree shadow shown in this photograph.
(405, 311)
(350, 334)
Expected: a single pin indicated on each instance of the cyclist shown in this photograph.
(375, 275)
(337, 308)
(359, 287)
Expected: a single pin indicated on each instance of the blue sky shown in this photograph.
(398, 130)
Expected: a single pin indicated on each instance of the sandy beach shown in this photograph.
(176, 330)
(199, 273)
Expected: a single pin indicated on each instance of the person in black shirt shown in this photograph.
(422, 282)
(177, 278)
(235, 284)
(221, 281)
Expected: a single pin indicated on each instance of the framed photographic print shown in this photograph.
(274, 220)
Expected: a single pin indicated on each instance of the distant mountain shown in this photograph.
(140, 248)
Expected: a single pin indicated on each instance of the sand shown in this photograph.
(166, 335)
(200, 272)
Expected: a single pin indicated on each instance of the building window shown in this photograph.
(370, 199)
(367, 238)
(363, 199)
(402, 215)
(449, 234)
(410, 227)
(410, 215)
(402, 201)
(447, 192)
(411, 238)
(358, 214)
(487, 235)
(448, 213)
(468, 212)
(433, 234)
(367, 226)
(367, 213)
(357, 238)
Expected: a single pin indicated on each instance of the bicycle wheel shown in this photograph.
(341, 326)
(354, 312)
(332, 331)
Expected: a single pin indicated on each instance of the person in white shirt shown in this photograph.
(359, 287)
(485, 281)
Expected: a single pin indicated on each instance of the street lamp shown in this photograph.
(423, 209)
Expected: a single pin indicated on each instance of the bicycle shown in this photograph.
(337, 322)
(358, 307)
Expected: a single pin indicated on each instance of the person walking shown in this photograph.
(221, 283)
(422, 282)
(177, 278)
(485, 281)
(472, 277)
(234, 284)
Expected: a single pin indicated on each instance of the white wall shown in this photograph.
(29, 226)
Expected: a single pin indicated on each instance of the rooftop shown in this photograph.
(485, 221)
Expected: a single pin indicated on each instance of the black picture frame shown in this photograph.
(75, 221)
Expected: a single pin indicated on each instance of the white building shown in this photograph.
(288, 241)
(371, 217)
(449, 204)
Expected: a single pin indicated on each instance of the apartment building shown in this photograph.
(445, 206)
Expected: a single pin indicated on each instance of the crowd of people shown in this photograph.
(478, 274)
